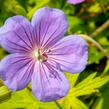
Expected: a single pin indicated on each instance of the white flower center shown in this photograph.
(40, 55)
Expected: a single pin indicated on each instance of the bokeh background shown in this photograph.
(89, 89)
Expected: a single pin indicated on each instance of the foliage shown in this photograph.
(89, 90)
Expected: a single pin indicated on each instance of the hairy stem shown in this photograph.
(87, 38)
(100, 29)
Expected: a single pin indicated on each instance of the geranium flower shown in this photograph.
(75, 1)
(41, 53)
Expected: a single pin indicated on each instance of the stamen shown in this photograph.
(40, 55)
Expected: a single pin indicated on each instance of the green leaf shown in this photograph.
(89, 85)
(25, 99)
(4, 93)
(106, 70)
(102, 101)
(89, 78)
(95, 8)
(18, 99)
(72, 78)
(14, 7)
(19, 10)
(94, 55)
(103, 2)
(2, 53)
(40, 4)
(74, 103)
(85, 87)
(75, 24)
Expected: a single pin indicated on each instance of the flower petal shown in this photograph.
(70, 53)
(48, 83)
(75, 1)
(17, 35)
(50, 25)
(16, 70)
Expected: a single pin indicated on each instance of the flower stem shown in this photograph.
(100, 29)
(86, 37)
(58, 105)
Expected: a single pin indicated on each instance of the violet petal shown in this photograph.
(50, 25)
(16, 70)
(70, 53)
(48, 83)
(75, 1)
(16, 35)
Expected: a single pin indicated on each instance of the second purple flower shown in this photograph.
(41, 53)
(75, 1)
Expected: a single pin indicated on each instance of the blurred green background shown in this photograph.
(90, 89)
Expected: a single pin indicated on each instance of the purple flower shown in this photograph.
(75, 1)
(41, 53)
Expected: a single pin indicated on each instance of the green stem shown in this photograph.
(86, 37)
(58, 105)
(100, 29)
